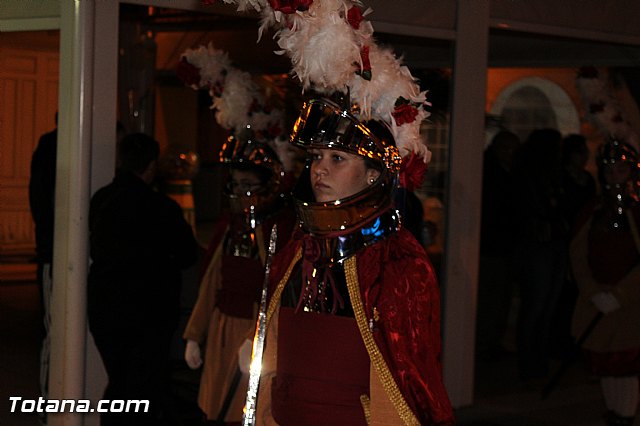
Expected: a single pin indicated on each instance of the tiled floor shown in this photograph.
(500, 399)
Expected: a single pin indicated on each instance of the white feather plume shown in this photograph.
(235, 102)
(389, 81)
(608, 118)
(409, 139)
(211, 62)
(322, 46)
(325, 51)
(236, 98)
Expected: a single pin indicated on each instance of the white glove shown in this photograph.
(244, 356)
(192, 354)
(605, 301)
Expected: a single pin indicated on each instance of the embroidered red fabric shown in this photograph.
(397, 278)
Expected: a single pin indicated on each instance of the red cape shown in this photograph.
(397, 279)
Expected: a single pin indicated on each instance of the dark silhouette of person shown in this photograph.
(42, 185)
(496, 277)
(579, 188)
(541, 248)
(139, 242)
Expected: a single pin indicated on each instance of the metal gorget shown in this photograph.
(319, 283)
(329, 249)
(345, 216)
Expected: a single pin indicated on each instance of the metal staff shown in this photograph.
(255, 369)
(237, 376)
(572, 357)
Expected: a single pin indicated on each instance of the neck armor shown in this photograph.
(331, 249)
(340, 217)
(322, 277)
(241, 238)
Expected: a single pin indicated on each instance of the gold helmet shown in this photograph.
(242, 152)
(323, 124)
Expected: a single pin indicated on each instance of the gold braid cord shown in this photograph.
(275, 299)
(366, 407)
(388, 383)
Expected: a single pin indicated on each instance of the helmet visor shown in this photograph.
(323, 124)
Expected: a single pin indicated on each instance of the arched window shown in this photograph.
(535, 103)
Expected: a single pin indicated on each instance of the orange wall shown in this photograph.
(500, 78)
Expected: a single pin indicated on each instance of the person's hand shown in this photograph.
(192, 354)
(244, 356)
(605, 301)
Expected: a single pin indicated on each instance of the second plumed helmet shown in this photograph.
(243, 152)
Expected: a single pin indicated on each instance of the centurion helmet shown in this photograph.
(617, 152)
(244, 153)
(323, 124)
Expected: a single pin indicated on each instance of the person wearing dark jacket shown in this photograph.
(42, 186)
(42, 183)
(139, 242)
(496, 283)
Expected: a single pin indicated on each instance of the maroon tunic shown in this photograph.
(315, 383)
(612, 255)
(401, 301)
(241, 286)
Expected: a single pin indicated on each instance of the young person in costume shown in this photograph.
(353, 321)
(226, 306)
(233, 275)
(605, 256)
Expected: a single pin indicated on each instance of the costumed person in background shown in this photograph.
(140, 243)
(353, 324)
(226, 307)
(233, 274)
(605, 256)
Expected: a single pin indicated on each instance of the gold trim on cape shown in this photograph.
(388, 383)
(366, 407)
(275, 299)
